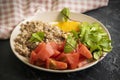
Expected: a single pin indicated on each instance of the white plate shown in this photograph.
(52, 17)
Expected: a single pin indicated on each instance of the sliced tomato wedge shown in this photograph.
(82, 62)
(62, 57)
(40, 63)
(32, 57)
(73, 60)
(45, 52)
(54, 45)
(83, 50)
(39, 47)
(56, 53)
(61, 46)
(53, 64)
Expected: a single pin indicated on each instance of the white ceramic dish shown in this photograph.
(52, 17)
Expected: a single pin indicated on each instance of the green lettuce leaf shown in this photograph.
(95, 38)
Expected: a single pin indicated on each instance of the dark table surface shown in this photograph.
(108, 69)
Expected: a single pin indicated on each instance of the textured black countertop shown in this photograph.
(108, 69)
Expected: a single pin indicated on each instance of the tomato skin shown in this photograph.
(51, 56)
(83, 50)
(45, 52)
(54, 45)
(58, 46)
(40, 63)
(50, 64)
(32, 57)
(62, 57)
(82, 62)
(61, 46)
(53, 64)
(39, 47)
(56, 53)
(61, 65)
(73, 60)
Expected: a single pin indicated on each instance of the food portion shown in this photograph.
(34, 32)
(64, 45)
(68, 26)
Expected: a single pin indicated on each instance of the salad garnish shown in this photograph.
(66, 13)
(90, 34)
(70, 44)
(95, 38)
(37, 37)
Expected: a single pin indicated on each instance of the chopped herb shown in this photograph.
(70, 44)
(66, 13)
(37, 37)
(75, 34)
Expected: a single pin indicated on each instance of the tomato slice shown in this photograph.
(54, 45)
(58, 46)
(73, 60)
(40, 63)
(62, 57)
(56, 53)
(39, 47)
(53, 64)
(32, 57)
(45, 52)
(82, 62)
(61, 46)
(83, 50)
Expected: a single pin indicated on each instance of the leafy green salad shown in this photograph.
(90, 34)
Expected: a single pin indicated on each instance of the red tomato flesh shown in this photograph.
(83, 50)
(32, 57)
(45, 52)
(51, 56)
(73, 60)
(53, 64)
(39, 47)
